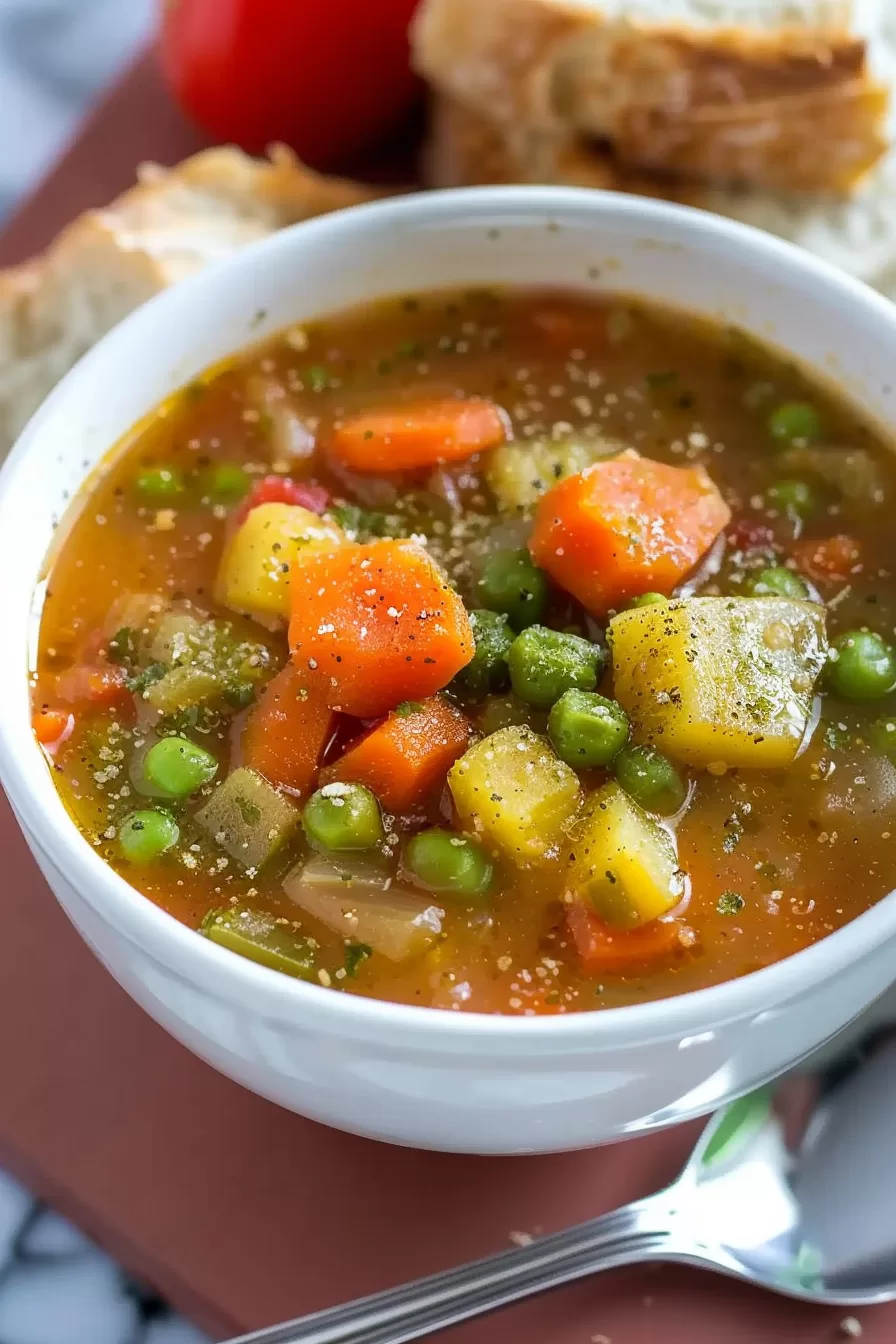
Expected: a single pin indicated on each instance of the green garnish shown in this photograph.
(730, 903)
(355, 955)
(408, 708)
(143, 680)
(317, 377)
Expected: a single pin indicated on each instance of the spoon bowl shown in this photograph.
(791, 1187)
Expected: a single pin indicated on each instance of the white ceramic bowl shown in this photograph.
(434, 1079)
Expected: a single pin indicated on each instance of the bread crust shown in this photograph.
(107, 262)
(857, 235)
(785, 108)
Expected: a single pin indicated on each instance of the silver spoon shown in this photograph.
(792, 1188)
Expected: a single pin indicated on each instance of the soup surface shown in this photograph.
(499, 652)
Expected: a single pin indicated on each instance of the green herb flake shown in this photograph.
(317, 377)
(662, 379)
(835, 737)
(250, 812)
(355, 955)
(408, 708)
(143, 680)
(730, 903)
(410, 350)
(123, 646)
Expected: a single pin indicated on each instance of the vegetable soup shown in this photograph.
(500, 652)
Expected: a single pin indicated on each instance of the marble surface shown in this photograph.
(56, 56)
(56, 1287)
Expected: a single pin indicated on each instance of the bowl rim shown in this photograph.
(171, 943)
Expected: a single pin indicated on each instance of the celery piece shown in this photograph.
(248, 818)
(258, 936)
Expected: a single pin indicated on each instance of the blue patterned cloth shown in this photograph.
(56, 57)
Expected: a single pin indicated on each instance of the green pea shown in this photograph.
(176, 767)
(544, 663)
(862, 666)
(794, 498)
(143, 836)
(225, 484)
(587, 729)
(647, 600)
(449, 864)
(487, 669)
(794, 420)
(160, 485)
(513, 585)
(651, 779)
(882, 736)
(776, 582)
(343, 816)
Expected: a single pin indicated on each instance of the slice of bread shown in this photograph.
(107, 262)
(858, 234)
(769, 93)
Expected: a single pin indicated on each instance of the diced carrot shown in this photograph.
(52, 727)
(283, 490)
(98, 684)
(425, 434)
(832, 560)
(566, 330)
(626, 526)
(286, 732)
(602, 949)
(407, 756)
(375, 625)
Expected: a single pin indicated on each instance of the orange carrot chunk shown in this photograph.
(626, 526)
(375, 625)
(97, 684)
(405, 758)
(831, 560)
(52, 727)
(602, 949)
(424, 434)
(286, 732)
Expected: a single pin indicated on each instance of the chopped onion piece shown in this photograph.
(357, 900)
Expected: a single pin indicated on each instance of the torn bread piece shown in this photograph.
(858, 234)
(107, 262)
(768, 93)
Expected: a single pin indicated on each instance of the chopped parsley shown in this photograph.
(730, 903)
(355, 955)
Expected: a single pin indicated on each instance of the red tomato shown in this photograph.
(283, 490)
(329, 77)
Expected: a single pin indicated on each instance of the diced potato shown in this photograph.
(357, 899)
(520, 473)
(511, 789)
(622, 862)
(725, 680)
(854, 473)
(182, 688)
(290, 436)
(258, 936)
(177, 634)
(248, 818)
(253, 576)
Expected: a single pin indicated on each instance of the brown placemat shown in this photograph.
(238, 1212)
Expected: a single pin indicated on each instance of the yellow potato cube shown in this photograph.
(512, 790)
(720, 680)
(520, 473)
(253, 576)
(622, 862)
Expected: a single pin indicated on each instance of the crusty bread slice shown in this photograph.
(858, 234)
(769, 93)
(107, 262)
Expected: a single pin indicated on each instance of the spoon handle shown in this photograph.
(415, 1309)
